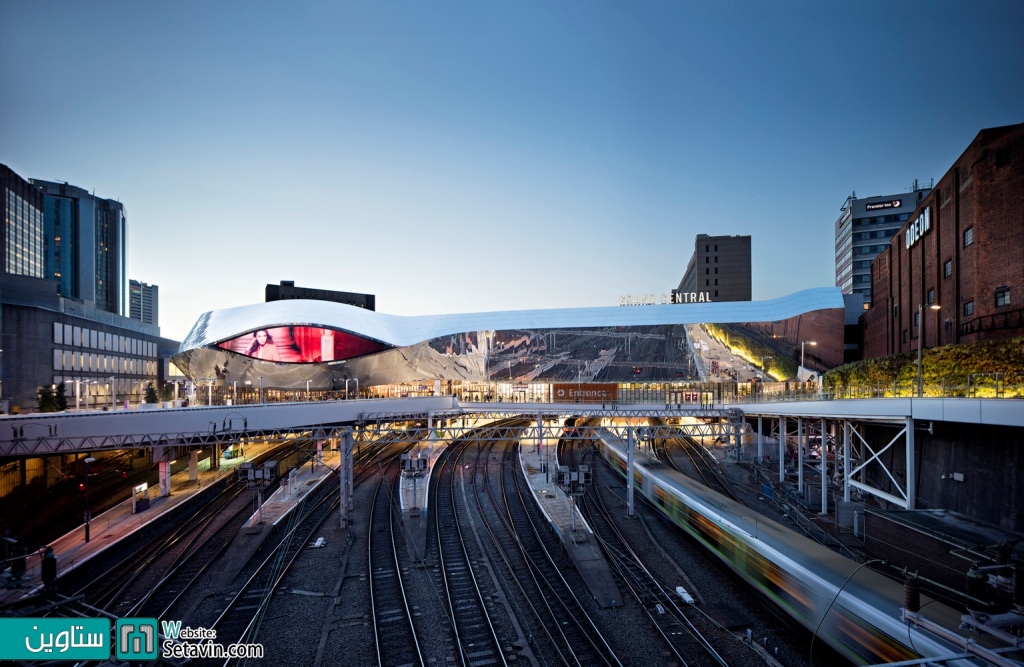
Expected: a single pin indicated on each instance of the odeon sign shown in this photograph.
(918, 228)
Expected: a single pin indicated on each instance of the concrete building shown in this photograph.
(144, 302)
(957, 260)
(863, 231)
(63, 311)
(288, 290)
(719, 269)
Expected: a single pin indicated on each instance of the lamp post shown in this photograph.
(920, 344)
(88, 460)
(802, 344)
(113, 392)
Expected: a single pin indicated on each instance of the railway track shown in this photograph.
(475, 634)
(239, 619)
(561, 628)
(683, 641)
(393, 628)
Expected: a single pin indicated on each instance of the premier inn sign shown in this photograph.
(584, 393)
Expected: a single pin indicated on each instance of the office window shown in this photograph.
(707, 272)
(1002, 296)
(931, 295)
(968, 236)
(947, 268)
(917, 319)
(707, 283)
(716, 270)
(906, 337)
(969, 307)
(716, 259)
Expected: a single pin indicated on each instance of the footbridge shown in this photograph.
(834, 430)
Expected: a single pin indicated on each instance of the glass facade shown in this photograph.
(23, 236)
(61, 217)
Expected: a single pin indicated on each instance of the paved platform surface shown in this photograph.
(294, 486)
(118, 523)
(539, 466)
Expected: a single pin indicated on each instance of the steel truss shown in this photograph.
(842, 441)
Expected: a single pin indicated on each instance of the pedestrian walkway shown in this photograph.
(541, 471)
(119, 523)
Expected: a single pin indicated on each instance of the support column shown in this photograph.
(215, 456)
(846, 460)
(541, 451)
(760, 439)
(911, 467)
(782, 450)
(163, 465)
(800, 455)
(629, 472)
(824, 471)
(345, 477)
(193, 465)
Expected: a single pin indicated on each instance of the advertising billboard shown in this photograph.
(301, 345)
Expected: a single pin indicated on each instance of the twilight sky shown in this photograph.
(472, 156)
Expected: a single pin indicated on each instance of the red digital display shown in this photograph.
(301, 345)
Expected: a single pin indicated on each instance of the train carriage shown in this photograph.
(853, 609)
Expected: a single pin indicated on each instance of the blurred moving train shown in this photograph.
(853, 609)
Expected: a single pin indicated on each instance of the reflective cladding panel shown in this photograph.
(301, 345)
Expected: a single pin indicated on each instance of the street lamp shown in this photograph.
(113, 392)
(802, 343)
(88, 460)
(920, 344)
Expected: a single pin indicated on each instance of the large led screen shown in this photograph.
(301, 345)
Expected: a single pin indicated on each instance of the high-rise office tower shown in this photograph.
(719, 268)
(143, 302)
(87, 245)
(863, 230)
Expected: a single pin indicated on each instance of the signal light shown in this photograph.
(81, 486)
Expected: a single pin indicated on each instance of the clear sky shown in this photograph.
(469, 156)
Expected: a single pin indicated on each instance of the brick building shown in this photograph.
(958, 262)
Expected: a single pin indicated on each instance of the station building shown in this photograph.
(954, 273)
(64, 312)
(296, 344)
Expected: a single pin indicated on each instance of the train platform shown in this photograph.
(119, 523)
(540, 467)
(417, 466)
(293, 488)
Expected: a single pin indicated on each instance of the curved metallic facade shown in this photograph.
(327, 343)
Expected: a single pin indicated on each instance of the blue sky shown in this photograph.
(468, 156)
